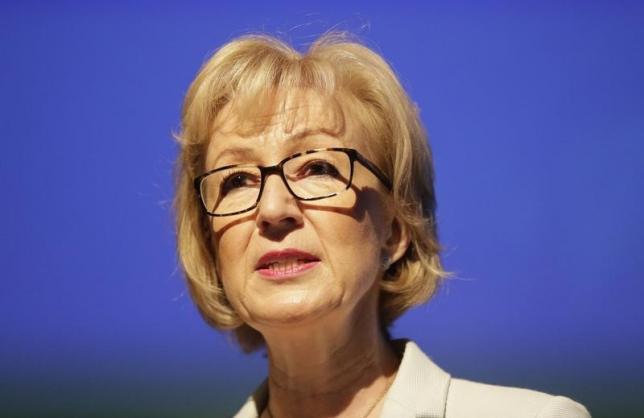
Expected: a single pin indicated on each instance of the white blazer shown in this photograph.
(421, 389)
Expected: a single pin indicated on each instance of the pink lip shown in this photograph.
(286, 263)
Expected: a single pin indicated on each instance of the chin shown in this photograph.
(289, 310)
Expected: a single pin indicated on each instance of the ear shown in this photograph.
(397, 242)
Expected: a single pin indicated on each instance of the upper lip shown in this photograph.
(284, 254)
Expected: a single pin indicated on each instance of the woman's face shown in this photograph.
(288, 261)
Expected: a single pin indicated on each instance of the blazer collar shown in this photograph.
(419, 389)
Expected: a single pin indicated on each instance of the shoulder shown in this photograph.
(467, 399)
(422, 388)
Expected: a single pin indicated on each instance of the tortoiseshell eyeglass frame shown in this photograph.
(278, 169)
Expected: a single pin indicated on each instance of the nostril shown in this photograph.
(277, 229)
(282, 221)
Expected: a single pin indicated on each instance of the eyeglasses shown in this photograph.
(310, 175)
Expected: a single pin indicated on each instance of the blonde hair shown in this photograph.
(246, 73)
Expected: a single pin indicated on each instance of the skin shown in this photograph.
(327, 356)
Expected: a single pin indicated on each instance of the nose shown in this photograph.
(278, 211)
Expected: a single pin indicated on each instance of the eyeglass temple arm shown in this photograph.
(375, 170)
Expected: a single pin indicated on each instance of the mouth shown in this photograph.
(285, 263)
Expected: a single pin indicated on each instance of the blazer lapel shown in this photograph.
(419, 389)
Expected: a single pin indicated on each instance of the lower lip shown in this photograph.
(296, 271)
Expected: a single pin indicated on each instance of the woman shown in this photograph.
(305, 219)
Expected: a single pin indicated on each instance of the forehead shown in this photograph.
(282, 124)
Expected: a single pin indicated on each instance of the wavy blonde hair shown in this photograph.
(245, 73)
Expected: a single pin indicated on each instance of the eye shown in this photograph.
(238, 180)
(319, 168)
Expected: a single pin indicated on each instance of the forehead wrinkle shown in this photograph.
(288, 111)
(312, 112)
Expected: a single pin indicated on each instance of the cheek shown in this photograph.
(230, 246)
(354, 250)
(364, 228)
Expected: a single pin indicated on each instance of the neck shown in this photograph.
(337, 368)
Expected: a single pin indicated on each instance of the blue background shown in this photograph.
(536, 117)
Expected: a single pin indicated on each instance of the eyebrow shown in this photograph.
(236, 151)
(244, 152)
